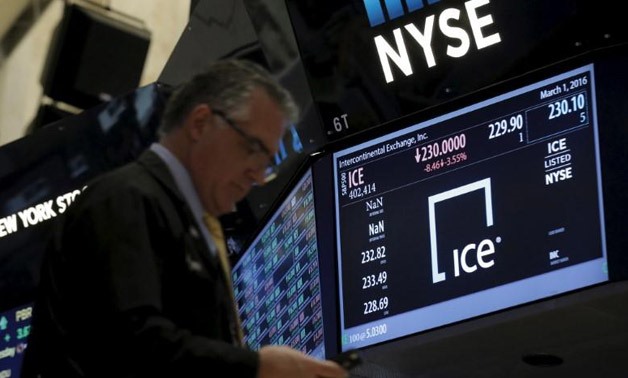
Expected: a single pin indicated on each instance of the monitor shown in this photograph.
(277, 279)
(15, 325)
(41, 176)
(507, 196)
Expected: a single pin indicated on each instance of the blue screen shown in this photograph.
(276, 280)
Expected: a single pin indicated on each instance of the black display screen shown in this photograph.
(489, 206)
(40, 177)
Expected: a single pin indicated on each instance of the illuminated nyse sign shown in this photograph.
(422, 31)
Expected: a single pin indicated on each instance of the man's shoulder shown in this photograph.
(129, 176)
(130, 180)
(138, 184)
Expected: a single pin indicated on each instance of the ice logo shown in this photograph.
(472, 255)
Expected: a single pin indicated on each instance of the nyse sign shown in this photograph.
(422, 31)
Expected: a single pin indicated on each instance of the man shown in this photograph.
(132, 285)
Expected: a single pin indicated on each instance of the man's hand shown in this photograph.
(283, 361)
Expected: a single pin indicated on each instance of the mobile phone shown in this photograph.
(348, 359)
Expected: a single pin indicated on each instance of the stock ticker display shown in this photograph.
(492, 205)
(14, 331)
(276, 280)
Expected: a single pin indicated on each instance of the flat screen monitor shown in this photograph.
(506, 197)
(40, 176)
(277, 278)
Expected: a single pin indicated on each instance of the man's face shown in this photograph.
(225, 163)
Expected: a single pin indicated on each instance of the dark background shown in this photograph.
(322, 51)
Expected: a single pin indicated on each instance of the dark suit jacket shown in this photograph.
(129, 287)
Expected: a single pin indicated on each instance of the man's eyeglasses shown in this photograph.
(256, 147)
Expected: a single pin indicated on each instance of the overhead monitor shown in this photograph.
(41, 176)
(277, 279)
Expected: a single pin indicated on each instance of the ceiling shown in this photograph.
(11, 10)
(16, 18)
